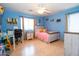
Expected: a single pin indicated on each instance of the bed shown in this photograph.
(47, 36)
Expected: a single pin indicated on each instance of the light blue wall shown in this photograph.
(59, 26)
(1, 18)
(13, 14)
(41, 20)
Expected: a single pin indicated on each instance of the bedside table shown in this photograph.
(29, 35)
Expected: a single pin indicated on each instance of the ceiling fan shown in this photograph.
(40, 11)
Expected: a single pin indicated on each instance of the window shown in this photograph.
(28, 24)
(73, 22)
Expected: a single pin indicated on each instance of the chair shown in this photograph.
(18, 35)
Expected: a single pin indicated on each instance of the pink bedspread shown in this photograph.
(42, 35)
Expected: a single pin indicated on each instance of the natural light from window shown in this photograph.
(28, 24)
(73, 22)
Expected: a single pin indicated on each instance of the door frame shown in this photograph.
(66, 23)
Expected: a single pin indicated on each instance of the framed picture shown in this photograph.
(14, 20)
(47, 19)
(58, 20)
(52, 20)
(39, 20)
(9, 21)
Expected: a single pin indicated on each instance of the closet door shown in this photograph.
(67, 44)
(75, 45)
(71, 44)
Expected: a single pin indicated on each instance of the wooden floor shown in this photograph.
(37, 47)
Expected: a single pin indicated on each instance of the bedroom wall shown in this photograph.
(0, 19)
(41, 20)
(59, 26)
(0, 22)
(15, 14)
(1, 15)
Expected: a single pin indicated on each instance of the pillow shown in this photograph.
(44, 30)
(40, 30)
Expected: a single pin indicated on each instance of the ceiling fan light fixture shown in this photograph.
(41, 10)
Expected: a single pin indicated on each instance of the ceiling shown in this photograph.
(33, 8)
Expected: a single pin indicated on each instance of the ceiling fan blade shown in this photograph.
(47, 12)
(47, 9)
